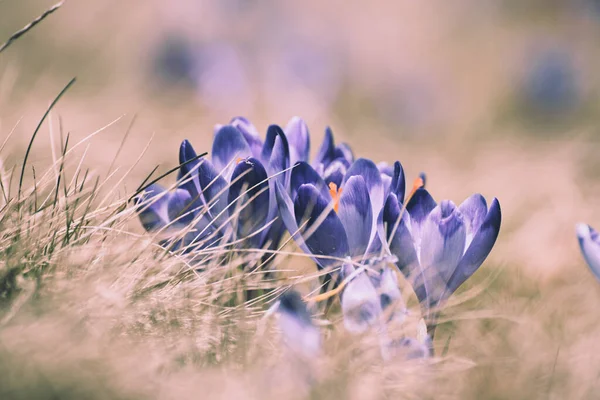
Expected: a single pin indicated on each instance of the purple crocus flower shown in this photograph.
(335, 221)
(296, 133)
(231, 196)
(374, 302)
(164, 211)
(301, 335)
(332, 162)
(438, 246)
(589, 241)
(361, 303)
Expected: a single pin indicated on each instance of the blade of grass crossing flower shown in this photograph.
(142, 188)
(418, 183)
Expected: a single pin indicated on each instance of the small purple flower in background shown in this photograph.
(300, 334)
(438, 246)
(386, 284)
(174, 60)
(589, 241)
(550, 85)
(222, 81)
(214, 71)
(311, 72)
(361, 304)
(374, 302)
(411, 348)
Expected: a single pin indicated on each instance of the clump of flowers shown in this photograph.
(353, 217)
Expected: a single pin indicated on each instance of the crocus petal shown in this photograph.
(360, 302)
(328, 238)
(385, 169)
(303, 173)
(387, 183)
(396, 231)
(203, 235)
(229, 145)
(398, 186)
(386, 284)
(326, 151)
(277, 158)
(155, 215)
(344, 151)
(178, 207)
(276, 153)
(299, 140)
(368, 170)
(249, 131)
(286, 211)
(478, 250)
(474, 209)
(249, 199)
(297, 328)
(419, 207)
(442, 246)
(214, 190)
(356, 215)
(188, 173)
(410, 349)
(334, 173)
(291, 302)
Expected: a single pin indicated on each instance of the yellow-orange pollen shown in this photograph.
(239, 160)
(335, 195)
(417, 184)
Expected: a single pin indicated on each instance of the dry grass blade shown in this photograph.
(30, 26)
(56, 99)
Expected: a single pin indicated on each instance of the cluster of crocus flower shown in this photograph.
(352, 216)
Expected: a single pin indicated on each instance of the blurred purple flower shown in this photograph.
(360, 302)
(304, 66)
(174, 61)
(221, 78)
(589, 241)
(550, 84)
(215, 71)
(299, 332)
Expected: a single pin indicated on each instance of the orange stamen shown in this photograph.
(417, 184)
(239, 160)
(335, 195)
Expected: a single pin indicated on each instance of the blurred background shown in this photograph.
(498, 97)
